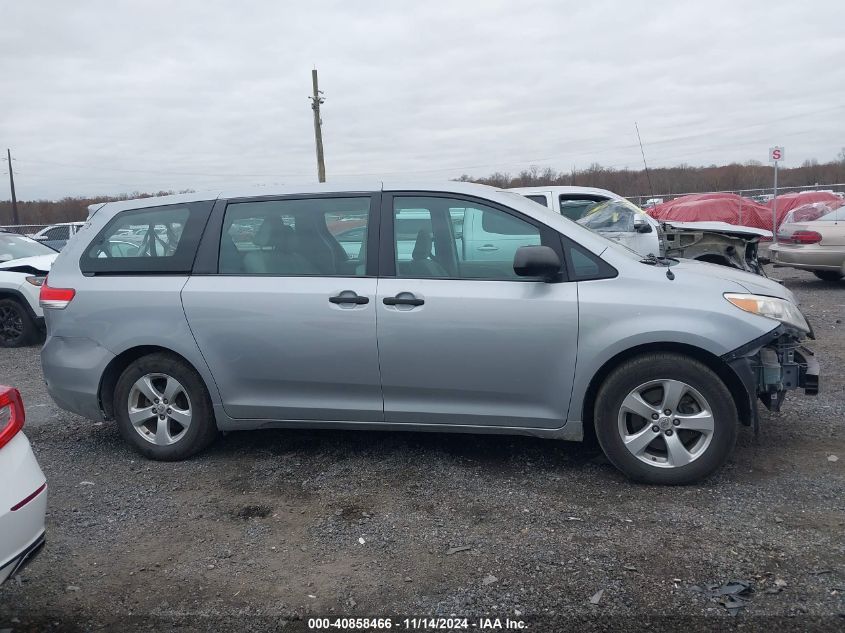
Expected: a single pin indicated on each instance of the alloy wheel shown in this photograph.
(666, 423)
(11, 325)
(159, 409)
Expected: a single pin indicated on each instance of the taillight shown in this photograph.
(55, 298)
(806, 237)
(11, 414)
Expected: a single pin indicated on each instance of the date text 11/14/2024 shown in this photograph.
(417, 624)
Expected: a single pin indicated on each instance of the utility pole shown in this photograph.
(316, 100)
(12, 185)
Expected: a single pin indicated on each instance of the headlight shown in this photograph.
(36, 280)
(771, 307)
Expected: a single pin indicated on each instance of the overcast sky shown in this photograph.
(110, 97)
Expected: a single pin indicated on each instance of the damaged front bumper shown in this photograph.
(771, 365)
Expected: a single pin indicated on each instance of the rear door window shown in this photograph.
(153, 240)
(296, 237)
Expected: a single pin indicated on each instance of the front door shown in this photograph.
(462, 339)
(288, 325)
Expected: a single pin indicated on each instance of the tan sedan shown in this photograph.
(812, 237)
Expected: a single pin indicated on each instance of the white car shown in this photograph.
(24, 263)
(56, 235)
(622, 221)
(23, 495)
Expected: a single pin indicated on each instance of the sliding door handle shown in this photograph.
(353, 298)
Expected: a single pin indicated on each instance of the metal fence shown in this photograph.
(761, 194)
(23, 229)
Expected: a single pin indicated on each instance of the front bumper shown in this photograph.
(773, 364)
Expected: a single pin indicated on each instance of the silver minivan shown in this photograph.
(453, 307)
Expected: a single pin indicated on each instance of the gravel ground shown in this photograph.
(269, 528)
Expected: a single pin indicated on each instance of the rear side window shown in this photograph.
(154, 240)
(539, 200)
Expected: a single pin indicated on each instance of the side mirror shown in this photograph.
(643, 227)
(536, 261)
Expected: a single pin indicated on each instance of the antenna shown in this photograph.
(647, 174)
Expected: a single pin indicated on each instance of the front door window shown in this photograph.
(439, 237)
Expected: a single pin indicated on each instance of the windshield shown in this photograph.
(17, 246)
(613, 215)
(576, 209)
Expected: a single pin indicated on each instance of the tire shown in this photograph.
(17, 327)
(165, 428)
(828, 275)
(677, 453)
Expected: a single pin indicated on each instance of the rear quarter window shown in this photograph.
(160, 239)
(539, 200)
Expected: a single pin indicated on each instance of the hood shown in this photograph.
(720, 227)
(39, 262)
(753, 284)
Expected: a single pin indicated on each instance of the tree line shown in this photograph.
(670, 181)
(631, 183)
(67, 209)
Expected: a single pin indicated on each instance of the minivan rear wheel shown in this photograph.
(665, 418)
(162, 408)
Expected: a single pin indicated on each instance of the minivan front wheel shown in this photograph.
(665, 418)
(162, 408)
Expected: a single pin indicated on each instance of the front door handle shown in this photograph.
(403, 301)
(351, 298)
(487, 247)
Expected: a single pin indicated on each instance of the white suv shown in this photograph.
(23, 265)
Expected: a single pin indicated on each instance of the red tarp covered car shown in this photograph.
(714, 207)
